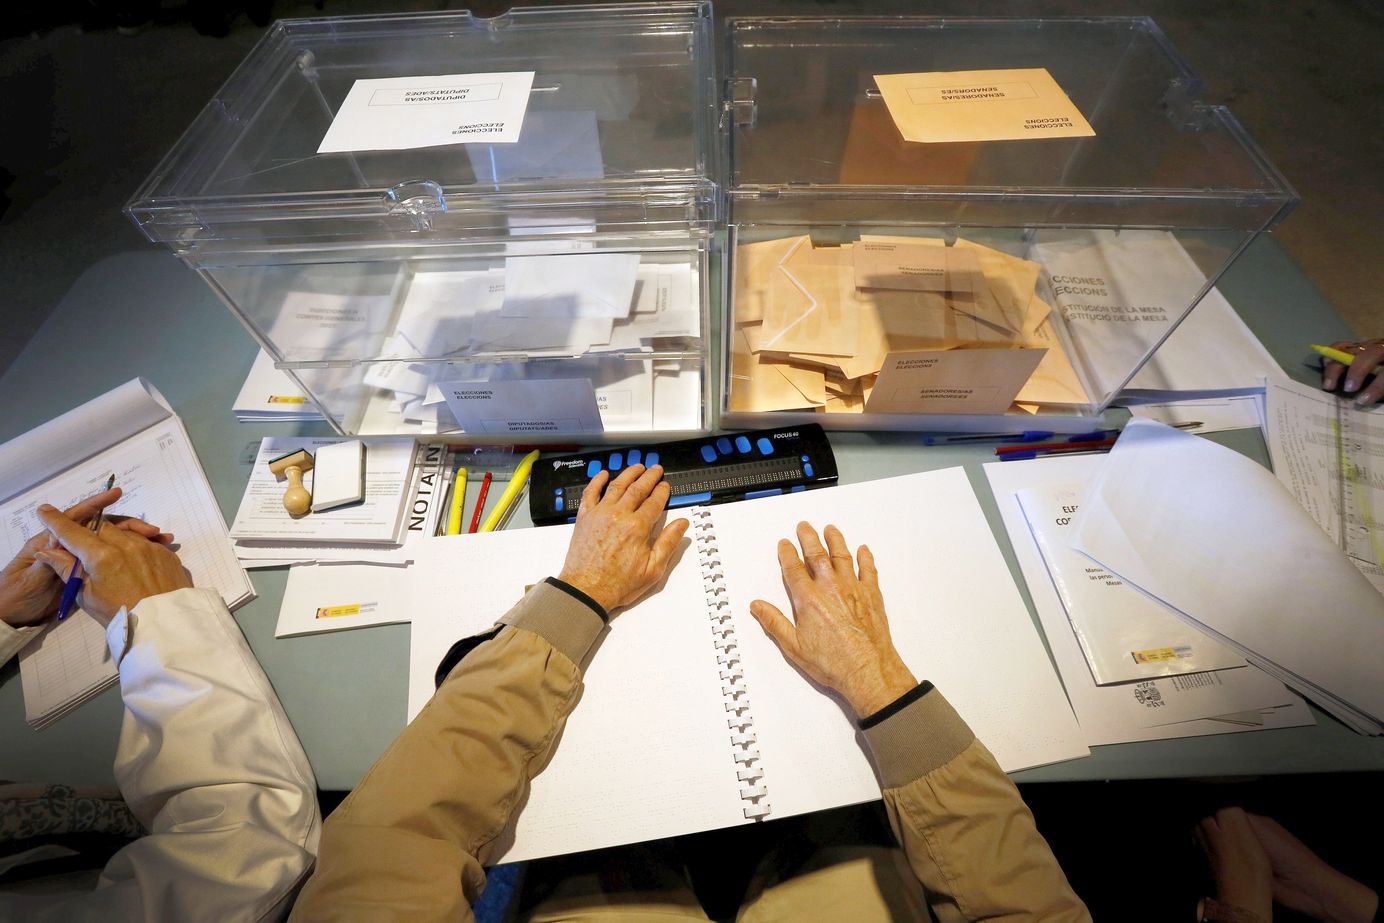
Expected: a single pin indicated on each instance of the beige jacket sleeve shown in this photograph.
(963, 826)
(411, 840)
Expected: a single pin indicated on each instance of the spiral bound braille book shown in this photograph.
(690, 719)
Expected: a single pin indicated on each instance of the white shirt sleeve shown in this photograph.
(14, 640)
(210, 765)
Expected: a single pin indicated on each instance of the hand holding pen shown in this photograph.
(29, 590)
(1356, 361)
(123, 563)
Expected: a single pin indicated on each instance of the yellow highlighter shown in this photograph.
(458, 501)
(1332, 353)
(511, 494)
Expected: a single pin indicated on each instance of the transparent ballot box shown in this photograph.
(463, 227)
(953, 224)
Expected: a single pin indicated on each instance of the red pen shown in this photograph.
(480, 502)
(1051, 447)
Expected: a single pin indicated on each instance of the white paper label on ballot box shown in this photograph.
(524, 408)
(397, 113)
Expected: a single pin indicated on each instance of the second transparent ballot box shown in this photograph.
(463, 227)
(955, 224)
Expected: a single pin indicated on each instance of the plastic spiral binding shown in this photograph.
(739, 718)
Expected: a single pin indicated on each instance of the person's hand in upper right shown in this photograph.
(1369, 358)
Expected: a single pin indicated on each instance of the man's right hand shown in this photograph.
(618, 553)
(839, 635)
(122, 566)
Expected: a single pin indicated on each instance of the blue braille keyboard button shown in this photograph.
(617, 461)
(559, 503)
(805, 458)
(797, 490)
(651, 460)
(723, 445)
(765, 446)
(690, 499)
(742, 443)
(634, 456)
(708, 454)
(593, 467)
(756, 494)
(807, 469)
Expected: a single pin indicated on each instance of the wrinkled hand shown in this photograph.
(1369, 357)
(1303, 882)
(618, 552)
(1238, 862)
(122, 565)
(29, 589)
(839, 635)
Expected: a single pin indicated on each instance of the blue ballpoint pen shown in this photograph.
(1028, 435)
(74, 579)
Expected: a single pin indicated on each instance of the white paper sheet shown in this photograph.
(1214, 415)
(1118, 293)
(396, 113)
(1116, 714)
(378, 519)
(593, 284)
(269, 395)
(524, 407)
(1216, 537)
(1125, 635)
(336, 597)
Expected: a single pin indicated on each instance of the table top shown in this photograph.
(146, 314)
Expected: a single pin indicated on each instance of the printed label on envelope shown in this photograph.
(533, 407)
(915, 267)
(397, 113)
(952, 380)
(991, 105)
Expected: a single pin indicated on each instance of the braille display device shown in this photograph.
(711, 469)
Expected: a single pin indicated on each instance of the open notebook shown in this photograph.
(133, 433)
(691, 719)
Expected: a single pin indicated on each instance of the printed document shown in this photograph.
(1125, 635)
(1330, 455)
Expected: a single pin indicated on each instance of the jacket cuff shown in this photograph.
(171, 608)
(559, 617)
(913, 736)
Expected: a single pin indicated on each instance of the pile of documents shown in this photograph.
(374, 529)
(1132, 668)
(596, 305)
(816, 327)
(1207, 537)
(270, 396)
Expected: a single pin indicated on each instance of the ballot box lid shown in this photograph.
(619, 128)
(810, 135)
